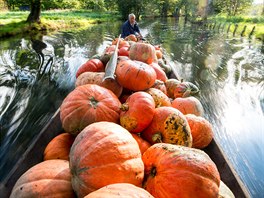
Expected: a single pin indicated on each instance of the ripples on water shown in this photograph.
(229, 72)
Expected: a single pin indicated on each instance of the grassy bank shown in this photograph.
(13, 23)
(241, 22)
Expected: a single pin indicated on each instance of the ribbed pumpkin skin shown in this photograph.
(143, 144)
(131, 37)
(104, 153)
(159, 97)
(93, 65)
(135, 75)
(177, 171)
(189, 105)
(51, 178)
(120, 190)
(97, 78)
(161, 75)
(87, 104)
(59, 147)
(169, 126)
(201, 129)
(143, 52)
(131, 117)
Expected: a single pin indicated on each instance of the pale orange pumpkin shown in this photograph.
(143, 52)
(120, 190)
(161, 75)
(46, 179)
(171, 85)
(98, 79)
(201, 129)
(189, 105)
(104, 153)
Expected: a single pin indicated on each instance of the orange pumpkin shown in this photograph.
(159, 97)
(171, 85)
(160, 85)
(159, 54)
(46, 179)
(135, 75)
(120, 190)
(131, 117)
(159, 72)
(123, 51)
(87, 104)
(59, 147)
(185, 89)
(97, 78)
(131, 37)
(143, 144)
(143, 52)
(111, 156)
(201, 129)
(178, 171)
(110, 49)
(169, 126)
(93, 65)
(189, 105)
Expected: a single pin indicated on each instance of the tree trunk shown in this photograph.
(35, 8)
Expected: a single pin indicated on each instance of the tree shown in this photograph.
(35, 8)
(230, 7)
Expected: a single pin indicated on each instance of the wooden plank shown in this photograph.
(33, 155)
(227, 172)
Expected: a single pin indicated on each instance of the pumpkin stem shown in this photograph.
(153, 171)
(157, 137)
(124, 107)
(93, 102)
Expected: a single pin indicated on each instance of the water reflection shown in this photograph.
(229, 72)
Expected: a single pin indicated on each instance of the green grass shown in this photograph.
(242, 21)
(13, 23)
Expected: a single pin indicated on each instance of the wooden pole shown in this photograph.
(252, 32)
(228, 28)
(243, 31)
(234, 33)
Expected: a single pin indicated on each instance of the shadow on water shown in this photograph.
(37, 73)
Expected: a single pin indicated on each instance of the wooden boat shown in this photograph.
(34, 155)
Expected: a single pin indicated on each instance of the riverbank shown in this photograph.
(241, 22)
(14, 23)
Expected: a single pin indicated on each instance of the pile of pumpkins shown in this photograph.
(137, 136)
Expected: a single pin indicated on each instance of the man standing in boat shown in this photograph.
(131, 27)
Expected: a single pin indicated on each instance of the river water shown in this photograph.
(37, 72)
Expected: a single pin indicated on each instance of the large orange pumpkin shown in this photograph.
(189, 105)
(201, 129)
(123, 51)
(120, 190)
(87, 104)
(131, 117)
(161, 75)
(169, 126)
(135, 75)
(143, 52)
(159, 97)
(171, 85)
(59, 147)
(93, 65)
(51, 178)
(104, 153)
(143, 144)
(178, 171)
(97, 78)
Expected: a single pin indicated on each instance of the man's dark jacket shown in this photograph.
(127, 29)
